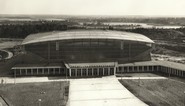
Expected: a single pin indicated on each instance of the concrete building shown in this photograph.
(82, 52)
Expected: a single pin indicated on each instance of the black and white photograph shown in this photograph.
(92, 52)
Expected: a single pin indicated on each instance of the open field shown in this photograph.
(158, 92)
(9, 44)
(28, 94)
(138, 75)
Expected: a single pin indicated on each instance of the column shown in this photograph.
(53, 70)
(157, 68)
(59, 70)
(147, 67)
(86, 71)
(81, 72)
(137, 68)
(103, 71)
(122, 70)
(20, 71)
(76, 72)
(26, 71)
(15, 72)
(92, 71)
(114, 70)
(133, 69)
(31, 71)
(48, 70)
(109, 71)
(70, 72)
(152, 68)
(98, 71)
(142, 68)
(182, 73)
(37, 71)
(178, 72)
(42, 70)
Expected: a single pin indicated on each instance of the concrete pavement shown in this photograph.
(101, 92)
(11, 80)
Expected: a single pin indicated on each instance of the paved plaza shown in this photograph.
(101, 92)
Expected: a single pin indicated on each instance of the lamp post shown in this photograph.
(121, 74)
(14, 76)
(184, 98)
(39, 100)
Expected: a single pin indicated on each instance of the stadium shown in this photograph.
(82, 52)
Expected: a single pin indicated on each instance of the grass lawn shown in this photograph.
(159, 92)
(138, 75)
(50, 93)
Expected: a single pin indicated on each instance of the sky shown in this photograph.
(94, 7)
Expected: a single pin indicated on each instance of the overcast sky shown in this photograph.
(94, 7)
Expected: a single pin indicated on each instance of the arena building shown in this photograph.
(83, 52)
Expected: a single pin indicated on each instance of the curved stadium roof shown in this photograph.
(85, 34)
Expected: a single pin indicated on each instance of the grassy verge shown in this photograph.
(157, 92)
(50, 93)
(138, 75)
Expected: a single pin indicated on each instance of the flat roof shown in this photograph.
(85, 34)
(174, 65)
(86, 65)
(40, 65)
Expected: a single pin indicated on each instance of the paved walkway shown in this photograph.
(101, 92)
(46, 79)
(142, 78)
(2, 102)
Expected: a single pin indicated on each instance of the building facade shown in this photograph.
(84, 50)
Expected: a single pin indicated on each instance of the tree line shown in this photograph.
(21, 30)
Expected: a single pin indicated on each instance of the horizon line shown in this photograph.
(173, 16)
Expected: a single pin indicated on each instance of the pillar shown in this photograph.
(114, 70)
(31, 71)
(86, 71)
(75, 72)
(53, 70)
(20, 71)
(37, 71)
(48, 70)
(137, 68)
(142, 68)
(26, 71)
(178, 72)
(103, 71)
(42, 70)
(98, 71)
(152, 68)
(109, 71)
(92, 71)
(183, 73)
(157, 68)
(81, 72)
(59, 70)
(147, 67)
(14, 72)
(133, 69)
(70, 72)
